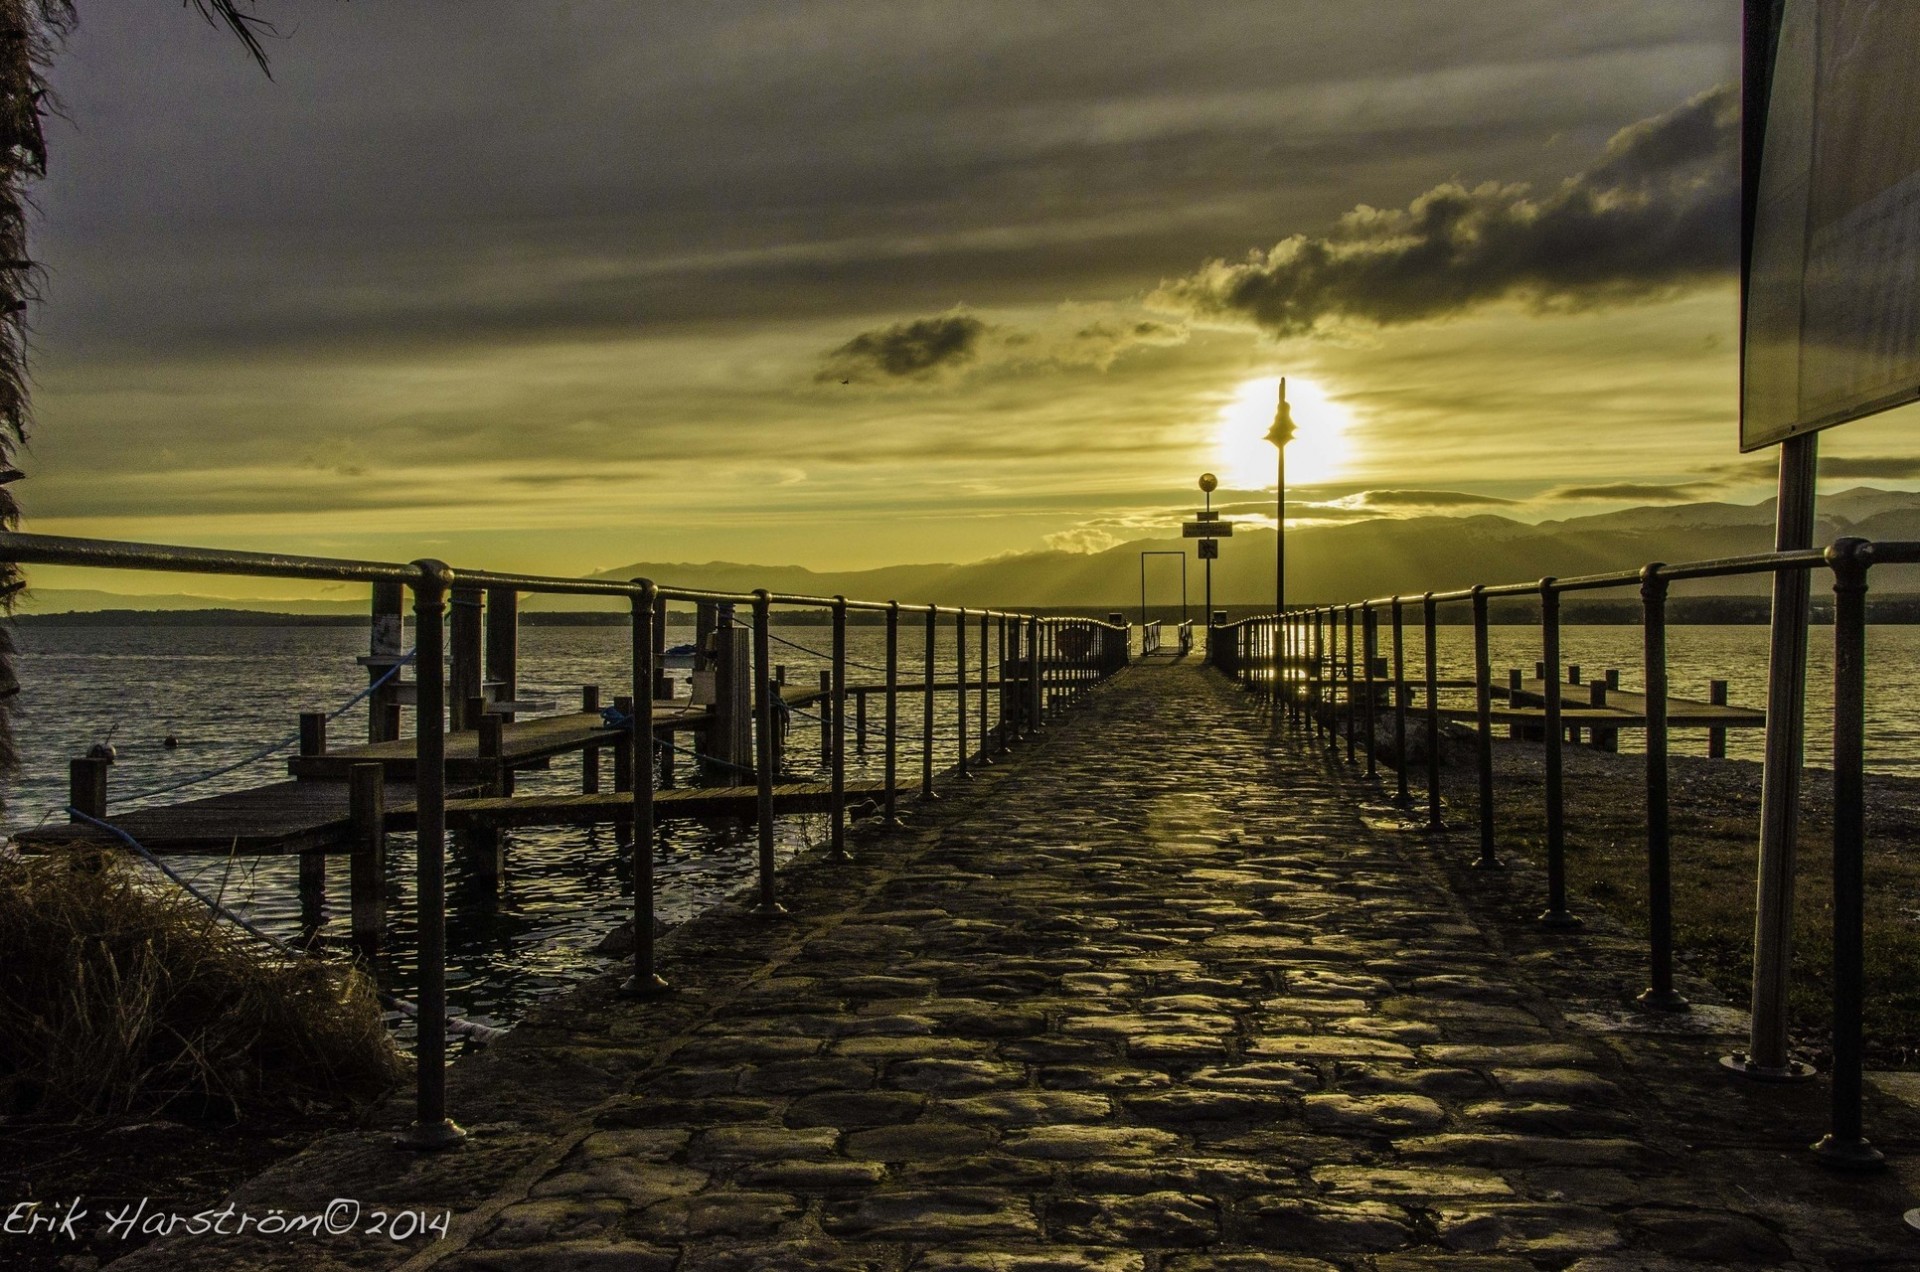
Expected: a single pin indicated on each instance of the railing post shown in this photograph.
(985, 619)
(367, 877)
(463, 670)
(1717, 738)
(432, 1129)
(1370, 651)
(766, 760)
(1660, 994)
(1555, 916)
(963, 768)
(1353, 704)
(892, 774)
(1844, 1146)
(1033, 674)
(590, 757)
(637, 767)
(503, 643)
(1000, 727)
(625, 748)
(1430, 640)
(387, 642)
(826, 719)
(838, 808)
(1319, 721)
(1400, 695)
(1483, 725)
(927, 717)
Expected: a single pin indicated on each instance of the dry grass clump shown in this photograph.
(118, 998)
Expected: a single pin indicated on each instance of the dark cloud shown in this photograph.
(1885, 466)
(1657, 211)
(1427, 499)
(922, 349)
(1678, 492)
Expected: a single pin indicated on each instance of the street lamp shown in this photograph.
(1208, 483)
(1280, 434)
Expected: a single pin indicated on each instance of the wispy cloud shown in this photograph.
(1889, 467)
(922, 349)
(1644, 492)
(1656, 211)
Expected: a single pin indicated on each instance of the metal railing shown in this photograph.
(1047, 664)
(1321, 666)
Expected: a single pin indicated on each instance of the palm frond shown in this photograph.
(247, 27)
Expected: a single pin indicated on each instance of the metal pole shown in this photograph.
(646, 981)
(927, 793)
(893, 713)
(960, 682)
(1353, 722)
(432, 1129)
(1370, 653)
(1483, 724)
(1555, 916)
(1660, 994)
(764, 760)
(985, 733)
(1766, 1056)
(1431, 639)
(1844, 1146)
(838, 807)
(1400, 703)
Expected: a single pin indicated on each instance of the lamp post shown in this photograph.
(1207, 484)
(1280, 434)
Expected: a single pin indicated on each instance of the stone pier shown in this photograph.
(1169, 991)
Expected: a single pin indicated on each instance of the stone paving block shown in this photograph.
(814, 1176)
(762, 1143)
(923, 1140)
(954, 1076)
(1366, 1078)
(1525, 1228)
(855, 1110)
(1719, 1236)
(1152, 1220)
(1525, 1150)
(933, 1216)
(1326, 1047)
(1534, 1054)
(1395, 1181)
(723, 1213)
(638, 1183)
(1372, 1114)
(1025, 1108)
(1541, 1117)
(1054, 1257)
(1080, 1143)
(797, 1077)
(1185, 1106)
(542, 1222)
(1312, 1225)
(568, 1256)
(1245, 1261)
(1561, 1085)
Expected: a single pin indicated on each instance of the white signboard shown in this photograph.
(1833, 306)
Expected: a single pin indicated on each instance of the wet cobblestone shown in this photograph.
(1151, 997)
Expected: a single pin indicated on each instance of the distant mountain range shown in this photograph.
(1375, 557)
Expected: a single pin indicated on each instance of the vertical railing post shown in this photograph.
(1000, 726)
(1319, 676)
(838, 807)
(1035, 702)
(1844, 1145)
(1400, 695)
(985, 619)
(826, 719)
(927, 717)
(962, 767)
(1483, 727)
(766, 760)
(387, 643)
(892, 774)
(1660, 994)
(1556, 915)
(1430, 640)
(432, 1128)
(1353, 705)
(464, 622)
(1370, 652)
(646, 981)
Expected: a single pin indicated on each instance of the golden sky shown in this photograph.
(850, 284)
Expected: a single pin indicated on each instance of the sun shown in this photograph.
(1321, 447)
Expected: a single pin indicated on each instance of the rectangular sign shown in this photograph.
(1206, 529)
(1209, 549)
(1833, 301)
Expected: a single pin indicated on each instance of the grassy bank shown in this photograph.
(1715, 816)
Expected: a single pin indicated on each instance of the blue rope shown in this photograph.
(614, 718)
(264, 751)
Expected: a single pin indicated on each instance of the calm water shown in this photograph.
(225, 694)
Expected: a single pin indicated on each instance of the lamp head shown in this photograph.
(1282, 431)
(1208, 482)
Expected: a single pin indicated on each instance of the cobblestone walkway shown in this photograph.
(1151, 997)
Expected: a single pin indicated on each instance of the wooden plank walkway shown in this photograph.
(286, 817)
(506, 812)
(523, 743)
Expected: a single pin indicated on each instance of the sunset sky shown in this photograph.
(553, 286)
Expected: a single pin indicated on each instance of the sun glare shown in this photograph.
(1320, 448)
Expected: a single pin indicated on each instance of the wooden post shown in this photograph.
(766, 763)
(1573, 678)
(662, 682)
(485, 844)
(964, 770)
(1483, 729)
(859, 721)
(503, 644)
(927, 719)
(367, 806)
(87, 786)
(623, 764)
(986, 629)
(313, 888)
(1603, 739)
(826, 719)
(313, 733)
(388, 640)
(463, 655)
(1717, 738)
(1556, 916)
(590, 758)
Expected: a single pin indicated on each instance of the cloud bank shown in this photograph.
(1658, 211)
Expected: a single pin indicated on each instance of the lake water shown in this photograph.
(226, 693)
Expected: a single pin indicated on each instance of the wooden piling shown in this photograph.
(1717, 738)
(87, 786)
(463, 655)
(623, 764)
(503, 643)
(486, 845)
(387, 641)
(590, 758)
(367, 806)
(313, 733)
(730, 739)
